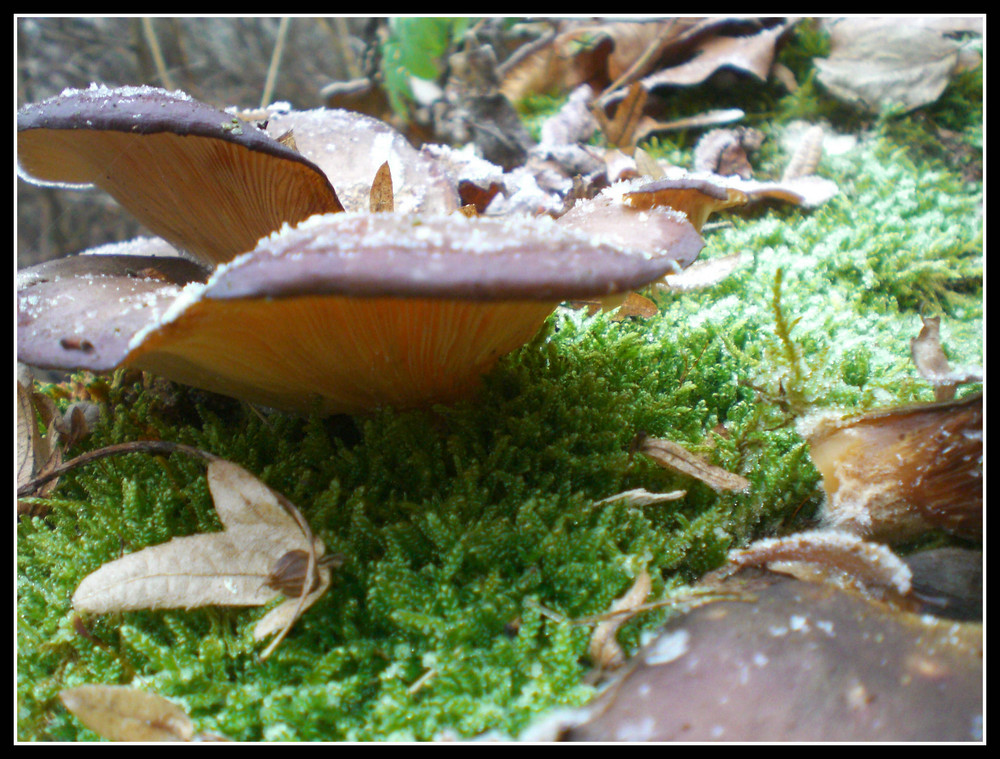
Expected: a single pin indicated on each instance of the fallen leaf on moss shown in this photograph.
(620, 130)
(724, 151)
(877, 62)
(37, 453)
(235, 567)
(752, 54)
(122, 713)
(670, 455)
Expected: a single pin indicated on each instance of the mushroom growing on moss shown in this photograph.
(305, 301)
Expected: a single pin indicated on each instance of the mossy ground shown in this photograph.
(472, 533)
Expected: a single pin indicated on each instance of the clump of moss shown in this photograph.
(476, 534)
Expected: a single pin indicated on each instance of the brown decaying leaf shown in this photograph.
(122, 713)
(875, 62)
(670, 455)
(752, 54)
(380, 198)
(642, 497)
(635, 305)
(39, 454)
(604, 649)
(724, 151)
(228, 568)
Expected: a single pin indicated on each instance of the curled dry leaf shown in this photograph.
(122, 713)
(670, 455)
(724, 151)
(604, 649)
(39, 454)
(876, 62)
(234, 567)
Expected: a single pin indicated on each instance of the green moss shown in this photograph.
(472, 533)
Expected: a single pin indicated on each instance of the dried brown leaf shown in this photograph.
(648, 125)
(635, 305)
(380, 198)
(122, 713)
(752, 54)
(670, 455)
(604, 649)
(807, 155)
(875, 62)
(228, 568)
(724, 151)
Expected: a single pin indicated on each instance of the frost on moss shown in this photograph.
(472, 533)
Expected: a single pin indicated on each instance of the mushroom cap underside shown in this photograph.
(360, 310)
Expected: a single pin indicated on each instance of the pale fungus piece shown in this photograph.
(205, 180)
(350, 147)
(795, 661)
(893, 474)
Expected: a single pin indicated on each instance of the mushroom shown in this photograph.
(206, 181)
(359, 310)
(893, 474)
(696, 197)
(794, 661)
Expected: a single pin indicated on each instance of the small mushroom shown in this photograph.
(893, 474)
(205, 180)
(695, 197)
(795, 661)
(359, 310)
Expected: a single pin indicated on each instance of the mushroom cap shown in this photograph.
(893, 474)
(350, 147)
(695, 197)
(796, 661)
(206, 181)
(359, 310)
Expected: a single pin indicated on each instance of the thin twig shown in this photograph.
(154, 47)
(272, 69)
(135, 446)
